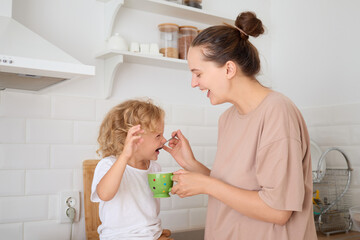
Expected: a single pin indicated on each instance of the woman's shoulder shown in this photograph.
(281, 119)
(276, 97)
(277, 102)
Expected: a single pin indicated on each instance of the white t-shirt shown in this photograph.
(133, 213)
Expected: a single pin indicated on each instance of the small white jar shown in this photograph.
(117, 42)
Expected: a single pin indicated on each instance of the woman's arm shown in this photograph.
(246, 202)
(180, 150)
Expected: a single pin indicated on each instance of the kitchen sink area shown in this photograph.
(189, 235)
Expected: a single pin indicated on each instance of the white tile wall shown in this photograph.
(103, 106)
(198, 153)
(25, 105)
(165, 204)
(13, 231)
(73, 108)
(332, 115)
(24, 156)
(168, 110)
(188, 115)
(212, 115)
(45, 139)
(197, 217)
(12, 130)
(331, 135)
(86, 132)
(165, 159)
(48, 181)
(49, 131)
(169, 128)
(71, 156)
(203, 136)
(355, 134)
(23, 209)
(355, 178)
(53, 209)
(78, 179)
(189, 202)
(12, 182)
(54, 230)
(175, 219)
(209, 157)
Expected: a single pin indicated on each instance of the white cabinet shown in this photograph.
(113, 58)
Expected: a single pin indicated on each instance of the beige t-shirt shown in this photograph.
(266, 150)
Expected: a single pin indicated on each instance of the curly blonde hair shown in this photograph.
(121, 118)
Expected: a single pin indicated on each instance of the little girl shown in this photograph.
(130, 138)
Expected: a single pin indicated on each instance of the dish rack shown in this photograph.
(331, 206)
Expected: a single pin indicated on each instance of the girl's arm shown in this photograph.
(110, 183)
(246, 202)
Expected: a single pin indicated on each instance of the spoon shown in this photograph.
(170, 139)
(165, 143)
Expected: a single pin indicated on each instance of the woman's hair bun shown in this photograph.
(249, 23)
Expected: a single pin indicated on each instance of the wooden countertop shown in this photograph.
(340, 236)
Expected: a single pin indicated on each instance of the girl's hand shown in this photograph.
(189, 183)
(180, 150)
(165, 235)
(132, 141)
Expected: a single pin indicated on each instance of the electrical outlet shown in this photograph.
(66, 200)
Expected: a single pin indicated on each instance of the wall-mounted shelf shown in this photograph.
(161, 7)
(113, 58)
(147, 59)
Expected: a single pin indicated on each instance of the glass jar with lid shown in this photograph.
(169, 39)
(193, 3)
(186, 36)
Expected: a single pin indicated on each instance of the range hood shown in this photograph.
(29, 62)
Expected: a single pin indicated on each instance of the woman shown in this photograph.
(260, 186)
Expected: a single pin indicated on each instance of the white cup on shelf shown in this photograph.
(134, 47)
(145, 48)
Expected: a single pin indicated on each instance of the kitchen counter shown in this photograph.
(199, 234)
(341, 236)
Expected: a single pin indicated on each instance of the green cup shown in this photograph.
(160, 184)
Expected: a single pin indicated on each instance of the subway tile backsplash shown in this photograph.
(44, 139)
(49, 131)
(12, 231)
(81, 108)
(12, 130)
(25, 105)
(24, 156)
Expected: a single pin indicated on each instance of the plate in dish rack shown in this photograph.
(315, 157)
